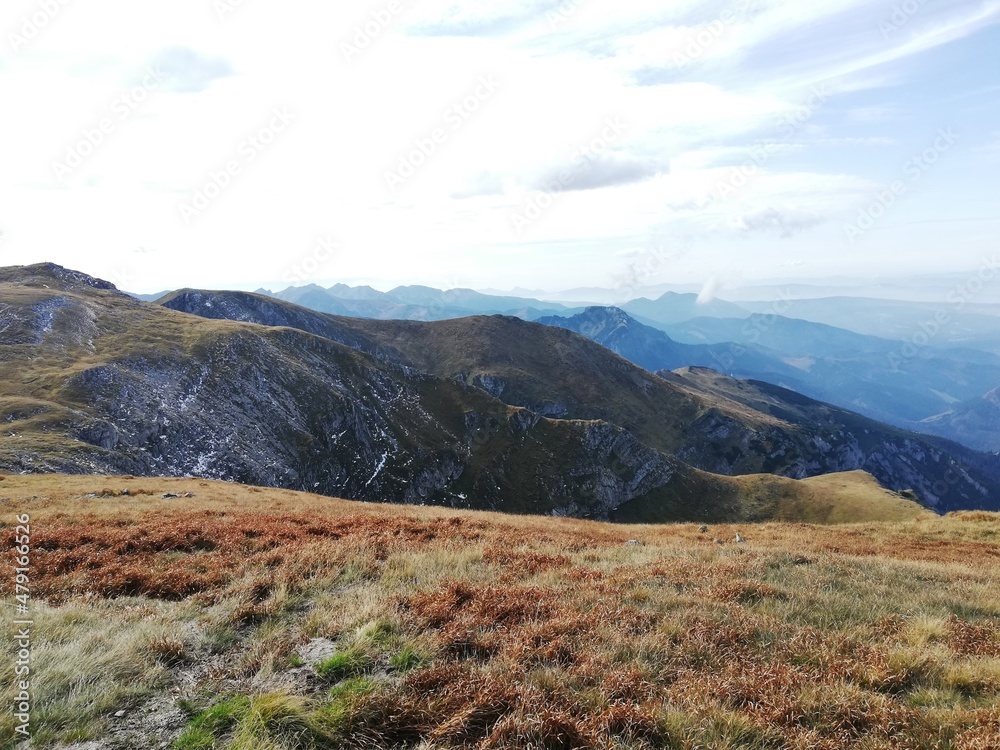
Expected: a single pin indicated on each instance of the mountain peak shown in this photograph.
(46, 274)
(608, 310)
(595, 322)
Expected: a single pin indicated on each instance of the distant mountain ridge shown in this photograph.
(830, 364)
(975, 422)
(410, 302)
(653, 349)
(672, 307)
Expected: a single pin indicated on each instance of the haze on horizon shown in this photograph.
(532, 144)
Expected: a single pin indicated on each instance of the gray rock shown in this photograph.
(317, 650)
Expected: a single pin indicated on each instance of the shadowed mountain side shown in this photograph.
(653, 349)
(975, 422)
(887, 380)
(557, 373)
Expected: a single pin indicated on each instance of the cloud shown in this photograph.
(584, 172)
(603, 171)
(483, 184)
(855, 141)
(188, 71)
(709, 290)
(745, 86)
(446, 18)
(873, 114)
(792, 45)
(784, 223)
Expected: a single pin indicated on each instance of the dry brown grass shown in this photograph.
(531, 632)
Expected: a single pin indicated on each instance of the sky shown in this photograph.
(519, 143)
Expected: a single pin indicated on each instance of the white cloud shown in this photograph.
(185, 70)
(560, 81)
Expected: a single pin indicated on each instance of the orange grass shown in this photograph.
(553, 633)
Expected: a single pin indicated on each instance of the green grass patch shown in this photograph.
(407, 659)
(209, 726)
(353, 662)
(351, 688)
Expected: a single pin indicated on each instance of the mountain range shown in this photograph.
(489, 412)
(562, 376)
(865, 354)
(866, 374)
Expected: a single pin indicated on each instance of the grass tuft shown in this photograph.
(353, 662)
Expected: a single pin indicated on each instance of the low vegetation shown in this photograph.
(269, 619)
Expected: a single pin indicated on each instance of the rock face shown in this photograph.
(485, 412)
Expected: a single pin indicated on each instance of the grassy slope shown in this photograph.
(463, 629)
(846, 497)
